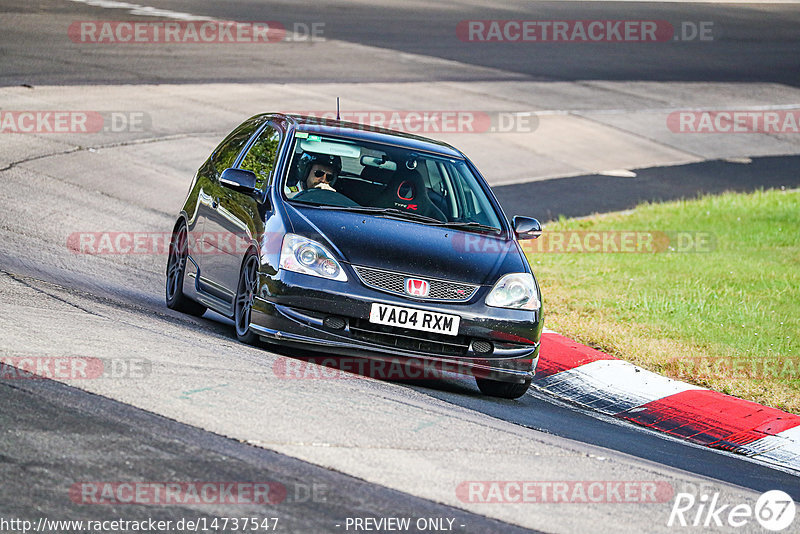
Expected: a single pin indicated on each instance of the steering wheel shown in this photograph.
(325, 196)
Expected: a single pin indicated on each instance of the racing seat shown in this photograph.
(438, 200)
(364, 190)
(407, 191)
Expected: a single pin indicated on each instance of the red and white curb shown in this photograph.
(614, 387)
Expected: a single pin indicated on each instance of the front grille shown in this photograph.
(392, 282)
(412, 340)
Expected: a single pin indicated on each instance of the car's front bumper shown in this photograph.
(291, 312)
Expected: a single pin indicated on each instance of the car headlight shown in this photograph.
(515, 290)
(303, 255)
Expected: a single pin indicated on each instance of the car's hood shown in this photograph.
(408, 246)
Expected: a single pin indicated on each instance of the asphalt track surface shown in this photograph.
(53, 434)
(579, 196)
(106, 440)
(756, 43)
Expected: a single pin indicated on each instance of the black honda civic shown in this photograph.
(360, 242)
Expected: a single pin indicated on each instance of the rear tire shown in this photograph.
(243, 304)
(503, 390)
(176, 269)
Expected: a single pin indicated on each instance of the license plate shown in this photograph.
(426, 321)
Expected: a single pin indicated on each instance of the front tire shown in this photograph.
(245, 293)
(503, 390)
(176, 270)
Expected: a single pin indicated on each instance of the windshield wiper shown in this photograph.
(387, 211)
(470, 224)
(416, 217)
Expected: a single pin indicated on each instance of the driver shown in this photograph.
(321, 176)
(318, 171)
(316, 175)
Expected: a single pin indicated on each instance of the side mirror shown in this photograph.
(239, 180)
(527, 227)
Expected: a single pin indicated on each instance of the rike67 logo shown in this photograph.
(774, 511)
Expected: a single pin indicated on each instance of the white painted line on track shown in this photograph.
(624, 111)
(148, 11)
(143, 11)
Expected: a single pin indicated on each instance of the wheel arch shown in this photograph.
(182, 218)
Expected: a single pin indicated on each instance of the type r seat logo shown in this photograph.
(417, 288)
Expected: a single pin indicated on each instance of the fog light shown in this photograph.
(334, 323)
(480, 346)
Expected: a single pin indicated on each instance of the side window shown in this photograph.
(441, 184)
(261, 157)
(227, 151)
(434, 177)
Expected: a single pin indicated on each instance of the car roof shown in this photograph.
(365, 132)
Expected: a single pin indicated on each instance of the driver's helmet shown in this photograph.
(309, 159)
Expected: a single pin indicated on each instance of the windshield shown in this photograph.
(347, 174)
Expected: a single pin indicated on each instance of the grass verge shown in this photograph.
(711, 297)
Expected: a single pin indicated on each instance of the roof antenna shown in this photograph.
(337, 108)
